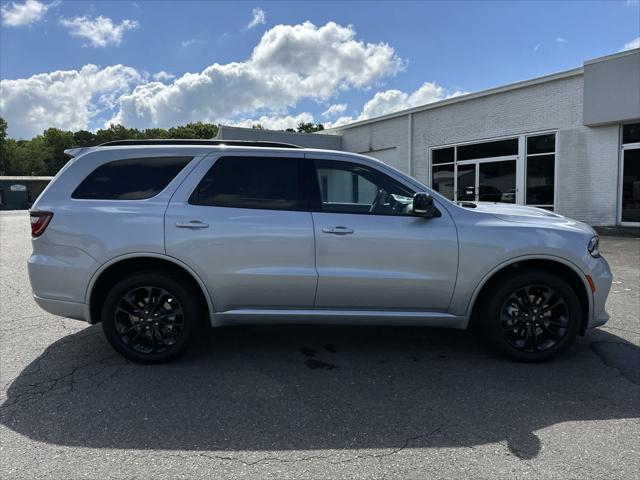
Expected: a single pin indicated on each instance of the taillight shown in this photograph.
(39, 222)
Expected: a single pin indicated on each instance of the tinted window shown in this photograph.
(442, 180)
(540, 173)
(541, 144)
(132, 179)
(353, 188)
(500, 148)
(251, 182)
(631, 133)
(442, 155)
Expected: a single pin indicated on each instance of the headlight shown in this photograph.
(593, 246)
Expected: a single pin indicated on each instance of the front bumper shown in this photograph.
(602, 279)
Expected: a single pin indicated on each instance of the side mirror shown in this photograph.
(423, 205)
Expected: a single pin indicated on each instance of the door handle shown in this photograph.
(193, 224)
(338, 230)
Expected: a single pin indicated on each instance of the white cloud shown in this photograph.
(291, 62)
(20, 14)
(635, 43)
(259, 18)
(536, 47)
(390, 101)
(334, 110)
(339, 122)
(561, 40)
(100, 31)
(163, 76)
(272, 122)
(63, 99)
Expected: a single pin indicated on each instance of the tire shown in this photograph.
(150, 317)
(531, 315)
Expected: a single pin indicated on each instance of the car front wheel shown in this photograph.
(532, 316)
(150, 317)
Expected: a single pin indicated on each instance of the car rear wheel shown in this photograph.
(531, 316)
(150, 317)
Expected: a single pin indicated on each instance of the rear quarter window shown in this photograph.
(130, 179)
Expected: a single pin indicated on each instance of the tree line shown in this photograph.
(44, 154)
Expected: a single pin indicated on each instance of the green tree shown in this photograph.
(310, 127)
(83, 138)
(155, 133)
(116, 132)
(57, 141)
(3, 146)
(28, 157)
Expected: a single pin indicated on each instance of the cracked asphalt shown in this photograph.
(314, 402)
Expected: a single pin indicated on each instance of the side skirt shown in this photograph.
(340, 317)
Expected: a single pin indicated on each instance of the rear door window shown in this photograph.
(270, 183)
(130, 179)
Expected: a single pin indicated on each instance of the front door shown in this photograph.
(486, 181)
(497, 181)
(372, 253)
(467, 182)
(242, 223)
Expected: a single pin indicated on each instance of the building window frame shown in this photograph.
(527, 155)
(624, 147)
(520, 157)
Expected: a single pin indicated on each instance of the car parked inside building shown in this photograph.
(157, 239)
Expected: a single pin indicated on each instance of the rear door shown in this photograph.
(372, 253)
(242, 223)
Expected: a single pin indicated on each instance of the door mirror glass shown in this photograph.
(423, 205)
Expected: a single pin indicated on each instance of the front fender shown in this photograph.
(471, 300)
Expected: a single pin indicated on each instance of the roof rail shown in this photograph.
(183, 141)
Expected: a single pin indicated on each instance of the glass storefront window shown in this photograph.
(631, 133)
(630, 204)
(443, 180)
(540, 172)
(499, 148)
(541, 159)
(497, 182)
(487, 171)
(442, 155)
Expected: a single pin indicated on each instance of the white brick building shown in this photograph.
(568, 142)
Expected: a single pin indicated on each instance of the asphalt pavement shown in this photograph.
(314, 402)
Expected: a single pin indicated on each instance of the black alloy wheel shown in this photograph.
(534, 318)
(149, 319)
(530, 315)
(151, 316)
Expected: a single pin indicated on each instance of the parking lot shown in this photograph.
(314, 402)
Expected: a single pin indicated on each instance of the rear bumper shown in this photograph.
(77, 311)
(59, 274)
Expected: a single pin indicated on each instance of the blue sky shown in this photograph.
(376, 58)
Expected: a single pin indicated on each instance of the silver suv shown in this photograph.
(157, 239)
